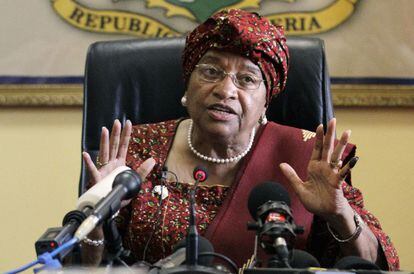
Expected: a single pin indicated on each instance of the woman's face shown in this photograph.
(222, 108)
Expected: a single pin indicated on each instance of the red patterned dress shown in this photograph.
(152, 225)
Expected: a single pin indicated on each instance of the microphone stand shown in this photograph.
(191, 266)
(115, 251)
(192, 235)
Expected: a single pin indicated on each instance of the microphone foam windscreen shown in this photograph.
(204, 245)
(264, 192)
(354, 262)
(130, 180)
(303, 259)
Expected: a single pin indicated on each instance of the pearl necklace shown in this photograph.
(218, 160)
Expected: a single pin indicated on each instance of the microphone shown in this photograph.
(303, 259)
(269, 205)
(125, 186)
(56, 236)
(179, 253)
(200, 175)
(91, 197)
(355, 263)
(193, 243)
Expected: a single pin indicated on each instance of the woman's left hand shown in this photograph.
(322, 194)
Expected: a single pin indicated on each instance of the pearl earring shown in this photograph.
(184, 101)
(263, 120)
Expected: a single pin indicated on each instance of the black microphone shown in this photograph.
(302, 259)
(355, 263)
(56, 236)
(269, 205)
(200, 175)
(125, 186)
(179, 253)
(302, 263)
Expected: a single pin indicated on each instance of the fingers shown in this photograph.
(115, 147)
(292, 177)
(114, 140)
(146, 167)
(104, 146)
(328, 141)
(125, 136)
(340, 148)
(90, 166)
(324, 150)
(343, 172)
(317, 149)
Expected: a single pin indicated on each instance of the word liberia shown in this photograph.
(135, 24)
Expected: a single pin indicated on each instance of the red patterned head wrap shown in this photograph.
(244, 33)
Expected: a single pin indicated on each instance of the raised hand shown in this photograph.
(321, 193)
(113, 150)
(112, 153)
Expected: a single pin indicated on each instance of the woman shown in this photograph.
(233, 64)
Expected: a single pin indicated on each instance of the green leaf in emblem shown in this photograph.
(202, 9)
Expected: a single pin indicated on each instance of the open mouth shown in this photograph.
(221, 108)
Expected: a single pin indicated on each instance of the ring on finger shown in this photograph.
(335, 163)
(99, 164)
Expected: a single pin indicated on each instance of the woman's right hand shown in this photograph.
(112, 154)
(112, 151)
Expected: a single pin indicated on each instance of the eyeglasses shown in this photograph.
(243, 80)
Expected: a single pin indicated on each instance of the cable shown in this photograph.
(156, 223)
(125, 265)
(23, 268)
(46, 257)
(175, 175)
(162, 178)
(286, 262)
(111, 266)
